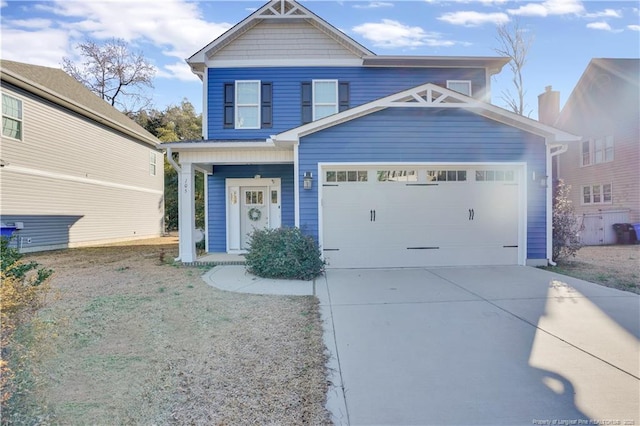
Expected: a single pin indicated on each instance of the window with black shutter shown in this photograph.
(266, 105)
(321, 98)
(307, 102)
(343, 96)
(229, 105)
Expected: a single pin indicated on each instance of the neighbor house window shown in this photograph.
(247, 105)
(321, 98)
(596, 194)
(597, 150)
(460, 86)
(11, 117)
(152, 163)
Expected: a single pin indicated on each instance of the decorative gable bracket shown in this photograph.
(282, 9)
(430, 95)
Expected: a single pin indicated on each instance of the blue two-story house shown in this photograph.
(388, 161)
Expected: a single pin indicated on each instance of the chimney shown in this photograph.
(548, 106)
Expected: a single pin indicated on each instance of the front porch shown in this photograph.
(221, 259)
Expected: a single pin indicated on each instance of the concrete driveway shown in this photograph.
(480, 345)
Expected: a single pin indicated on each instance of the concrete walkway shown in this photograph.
(236, 278)
(468, 346)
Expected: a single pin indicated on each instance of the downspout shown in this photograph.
(561, 150)
(178, 169)
(172, 161)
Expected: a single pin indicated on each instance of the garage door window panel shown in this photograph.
(340, 176)
(397, 175)
(446, 175)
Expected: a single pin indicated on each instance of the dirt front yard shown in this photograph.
(130, 338)
(612, 266)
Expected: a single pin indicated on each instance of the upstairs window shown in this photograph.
(325, 98)
(460, 86)
(597, 150)
(248, 105)
(11, 117)
(322, 98)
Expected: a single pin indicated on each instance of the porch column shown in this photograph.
(186, 213)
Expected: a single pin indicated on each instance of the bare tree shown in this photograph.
(113, 72)
(514, 44)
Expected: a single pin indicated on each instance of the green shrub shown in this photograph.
(283, 253)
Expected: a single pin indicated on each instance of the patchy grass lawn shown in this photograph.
(131, 339)
(612, 266)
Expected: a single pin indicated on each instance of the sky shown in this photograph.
(564, 34)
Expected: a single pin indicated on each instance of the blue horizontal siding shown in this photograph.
(426, 135)
(217, 219)
(365, 85)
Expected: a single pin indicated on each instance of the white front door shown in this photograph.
(251, 204)
(254, 212)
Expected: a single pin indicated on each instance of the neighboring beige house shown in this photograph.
(603, 169)
(74, 171)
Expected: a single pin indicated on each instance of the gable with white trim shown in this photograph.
(279, 29)
(277, 39)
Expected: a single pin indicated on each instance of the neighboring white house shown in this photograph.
(74, 171)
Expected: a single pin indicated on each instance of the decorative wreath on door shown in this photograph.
(254, 214)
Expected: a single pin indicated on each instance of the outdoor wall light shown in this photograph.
(307, 180)
(543, 181)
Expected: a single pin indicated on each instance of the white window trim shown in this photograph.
(313, 97)
(591, 202)
(237, 105)
(467, 82)
(592, 151)
(153, 164)
(20, 120)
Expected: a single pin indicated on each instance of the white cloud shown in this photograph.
(393, 34)
(474, 19)
(373, 5)
(634, 27)
(599, 26)
(177, 25)
(47, 48)
(607, 13)
(179, 70)
(484, 2)
(550, 7)
(176, 28)
(31, 23)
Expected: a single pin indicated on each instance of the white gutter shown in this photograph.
(172, 161)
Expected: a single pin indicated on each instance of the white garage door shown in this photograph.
(420, 216)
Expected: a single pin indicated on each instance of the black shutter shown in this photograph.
(229, 100)
(307, 103)
(266, 105)
(343, 96)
